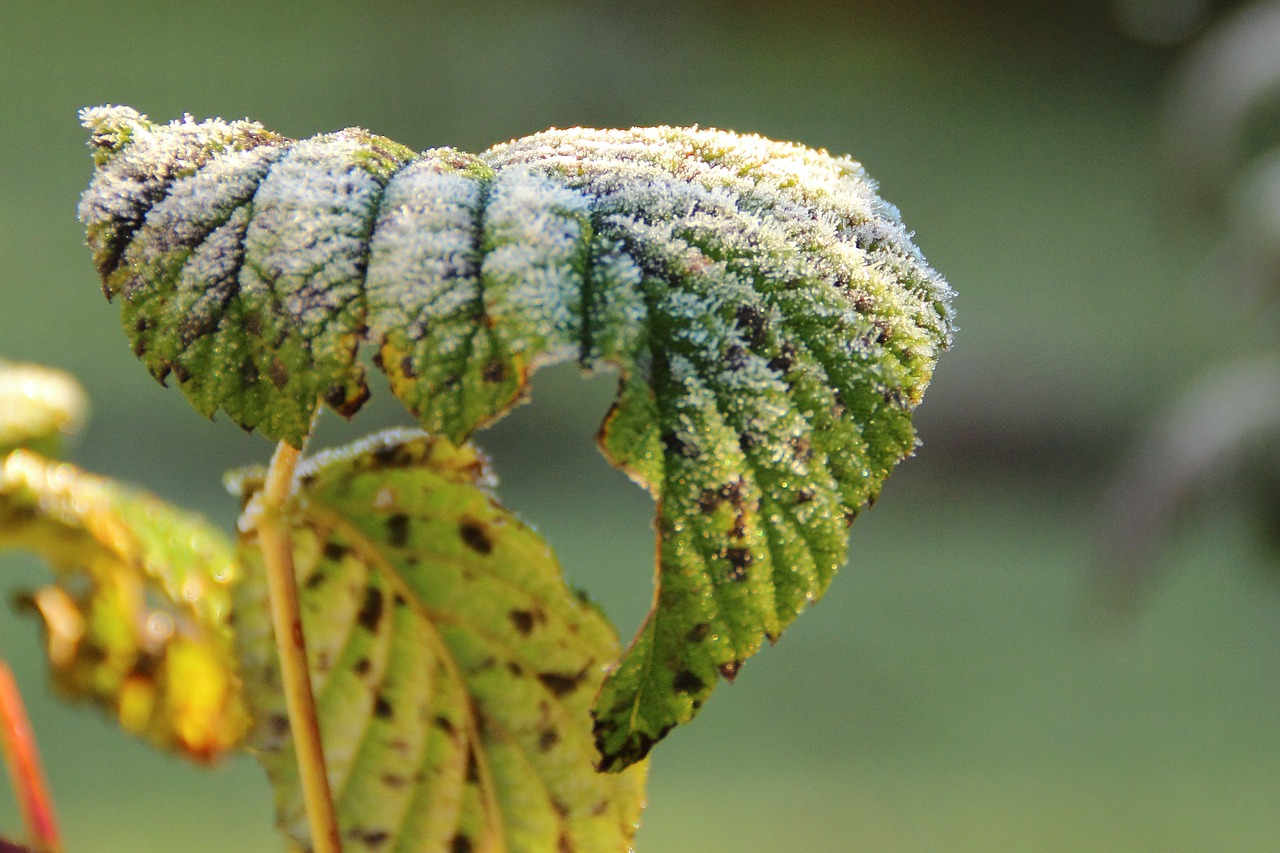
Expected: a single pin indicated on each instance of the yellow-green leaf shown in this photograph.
(453, 668)
(136, 619)
(39, 406)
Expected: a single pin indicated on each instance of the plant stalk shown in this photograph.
(25, 772)
(286, 620)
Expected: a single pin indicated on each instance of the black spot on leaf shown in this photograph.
(398, 530)
(739, 559)
(560, 684)
(522, 620)
(371, 610)
(475, 536)
(686, 682)
(676, 446)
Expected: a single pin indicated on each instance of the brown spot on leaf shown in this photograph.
(473, 765)
(636, 746)
(785, 359)
(371, 609)
(522, 621)
(336, 396)
(676, 446)
(382, 708)
(739, 559)
(460, 844)
(279, 373)
(370, 837)
(752, 320)
(698, 632)
(547, 739)
(494, 371)
(407, 367)
(566, 845)
(686, 682)
(560, 684)
(363, 666)
(335, 551)
(443, 724)
(394, 780)
(729, 670)
(475, 536)
(398, 530)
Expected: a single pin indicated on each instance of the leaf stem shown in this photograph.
(25, 772)
(286, 620)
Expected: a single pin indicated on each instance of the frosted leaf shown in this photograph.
(771, 322)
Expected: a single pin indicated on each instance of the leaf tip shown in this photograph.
(111, 128)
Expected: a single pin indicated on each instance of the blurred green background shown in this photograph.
(955, 691)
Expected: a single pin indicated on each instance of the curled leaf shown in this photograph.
(39, 406)
(453, 669)
(772, 324)
(136, 619)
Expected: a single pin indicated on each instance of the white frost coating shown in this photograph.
(306, 241)
(785, 195)
(532, 273)
(135, 177)
(422, 263)
(208, 276)
(197, 202)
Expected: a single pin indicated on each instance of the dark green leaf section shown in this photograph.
(453, 669)
(137, 617)
(771, 322)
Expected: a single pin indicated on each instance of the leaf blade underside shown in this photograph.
(453, 669)
(771, 322)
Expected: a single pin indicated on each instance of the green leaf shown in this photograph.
(136, 620)
(453, 669)
(772, 324)
(39, 406)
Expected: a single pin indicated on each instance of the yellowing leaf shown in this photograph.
(453, 669)
(136, 619)
(38, 407)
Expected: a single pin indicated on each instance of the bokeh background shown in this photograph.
(961, 687)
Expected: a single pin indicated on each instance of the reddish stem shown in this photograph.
(23, 760)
